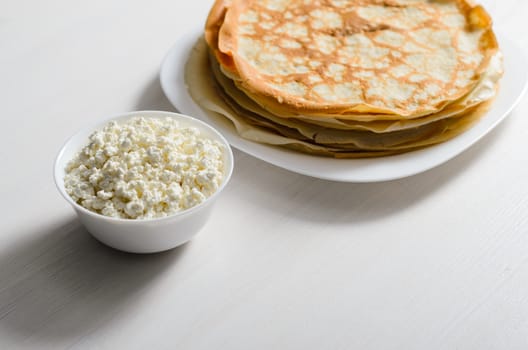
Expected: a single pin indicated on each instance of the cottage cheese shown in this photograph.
(145, 168)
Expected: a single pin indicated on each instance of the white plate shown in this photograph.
(513, 86)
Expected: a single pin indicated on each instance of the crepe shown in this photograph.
(346, 78)
(400, 58)
(484, 90)
(210, 95)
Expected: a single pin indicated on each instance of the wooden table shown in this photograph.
(434, 261)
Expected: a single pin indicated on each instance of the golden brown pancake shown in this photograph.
(328, 142)
(346, 78)
(400, 58)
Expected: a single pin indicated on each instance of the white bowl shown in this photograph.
(149, 235)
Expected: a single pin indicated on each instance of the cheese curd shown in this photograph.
(145, 168)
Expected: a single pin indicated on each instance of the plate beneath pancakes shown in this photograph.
(513, 86)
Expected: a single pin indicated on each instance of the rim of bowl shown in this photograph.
(59, 182)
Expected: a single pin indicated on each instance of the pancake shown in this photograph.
(346, 78)
(485, 89)
(352, 144)
(363, 139)
(400, 59)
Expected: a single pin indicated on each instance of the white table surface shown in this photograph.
(434, 261)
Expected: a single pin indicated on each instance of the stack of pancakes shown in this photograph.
(346, 78)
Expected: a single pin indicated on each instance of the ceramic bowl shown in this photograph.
(143, 235)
